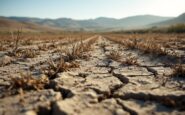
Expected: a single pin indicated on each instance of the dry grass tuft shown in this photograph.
(146, 47)
(28, 82)
(79, 50)
(26, 53)
(148, 43)
(54, 68)
(114, 55)
(152, 48)
(16, 36)
(26, 42)
(75, 53)
(132, 44)
(130, 61)
(43, 47)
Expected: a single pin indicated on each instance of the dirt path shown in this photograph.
(105, 86)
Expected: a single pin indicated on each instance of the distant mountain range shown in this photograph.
(98, 24)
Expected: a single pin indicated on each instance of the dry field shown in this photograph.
(89, 74)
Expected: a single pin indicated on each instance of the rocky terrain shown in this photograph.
(105, 78)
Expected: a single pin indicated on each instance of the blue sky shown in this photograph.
(85, 9)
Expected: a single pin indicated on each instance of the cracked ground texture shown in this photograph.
(100, 86)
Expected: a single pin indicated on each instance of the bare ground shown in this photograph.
(102, 84)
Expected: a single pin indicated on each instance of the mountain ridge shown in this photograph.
(100, 23)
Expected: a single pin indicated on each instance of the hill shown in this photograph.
(178, 20)
(7, 24)
(93, 24)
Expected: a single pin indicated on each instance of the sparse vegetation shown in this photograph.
(114, 55)
(50, 59)
(149, 43)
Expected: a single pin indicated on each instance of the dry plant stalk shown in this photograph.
(17, 40)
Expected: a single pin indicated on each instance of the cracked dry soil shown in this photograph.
(100, 86)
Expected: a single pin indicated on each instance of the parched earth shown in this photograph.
(100, 86)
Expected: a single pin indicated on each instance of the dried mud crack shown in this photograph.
(96, 78)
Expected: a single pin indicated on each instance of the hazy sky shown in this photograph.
(85, 9)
